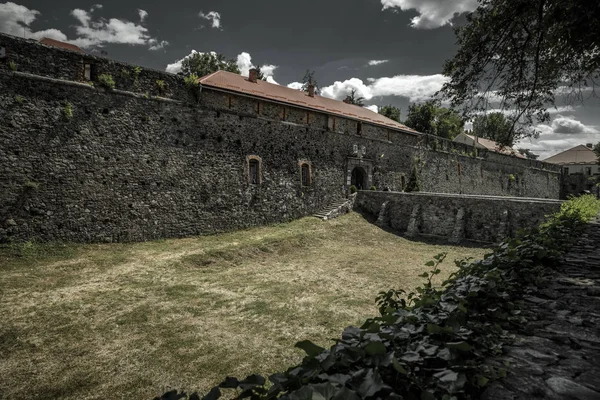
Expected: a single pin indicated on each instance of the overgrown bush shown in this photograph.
(353, 189)
(433, 343)
(106, 81)
(192, 83)
(413, 184)
(161, 86)
(137, 70)
(373, 187)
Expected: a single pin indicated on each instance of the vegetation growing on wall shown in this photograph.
(106, 81)
(12, 65)
(433, 343)
(413, 184)
(67, 111)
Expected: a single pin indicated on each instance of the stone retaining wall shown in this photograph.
(456, 217)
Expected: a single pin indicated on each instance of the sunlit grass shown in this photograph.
(131, 320)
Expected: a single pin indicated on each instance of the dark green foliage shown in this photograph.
(494, 126)
(527, 153)
(413, 184)
(521, 52)
(353, 189)
(373, 187)
(390, 112)
(597, 149)
(207, 63)
(430, 118)
(161, 86)
(433, 343)
(353, 98)
(106, 81)
(192, 83)
(309, 79)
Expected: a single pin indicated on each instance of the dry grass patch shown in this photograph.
(131, 320)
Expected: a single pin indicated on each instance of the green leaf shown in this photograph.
(375, 348)
(482, 380)
(460, 346)
(424, 275)
(430, 263)
(398, 367)
(446, 376)
(311, 349)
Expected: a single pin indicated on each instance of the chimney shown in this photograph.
(589, 145)
(253, 75)
(347, 100)
(311, 90)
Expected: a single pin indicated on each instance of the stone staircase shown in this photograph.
(336, 208)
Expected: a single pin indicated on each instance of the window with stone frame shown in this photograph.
(305, 171)
(254, 170)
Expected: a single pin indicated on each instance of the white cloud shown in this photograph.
(244, 63)
(16, 20)
(103, 31)
(212, 16)
(563, 133)
(432, 13)
(416, 88)
(377, 62)
(295, 85)
(143, 15)
(339, 90)
(373, 108)
(159, 45)
(569, 125)
(269, 71)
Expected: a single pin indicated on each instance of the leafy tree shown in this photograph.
(390, 112)
(524, 52)
(309, 79)
(353, 98)
(527, 153)
(494, 126)
(207, 63)
(597, 150)
(430, 118)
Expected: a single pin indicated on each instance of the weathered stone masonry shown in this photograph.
(455, 217)
(129, 165)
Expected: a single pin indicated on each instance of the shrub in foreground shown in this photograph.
(433, 343)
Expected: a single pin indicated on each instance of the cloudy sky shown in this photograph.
(391, 51)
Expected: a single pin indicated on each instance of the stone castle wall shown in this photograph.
(456, 217)
(131, 166)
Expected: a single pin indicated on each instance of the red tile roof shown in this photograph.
(237, 83)
(62, 45)
(494, 146)
(577, 155)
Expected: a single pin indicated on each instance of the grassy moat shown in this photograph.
(133, 320)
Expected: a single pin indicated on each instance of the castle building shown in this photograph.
(92, 149)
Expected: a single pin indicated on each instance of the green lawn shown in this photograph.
(133, 320)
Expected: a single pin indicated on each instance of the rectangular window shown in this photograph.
(254, 172)
(87, 72)
(305, 175)
(588, 170)
(566, 170)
